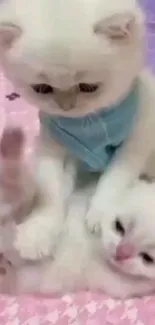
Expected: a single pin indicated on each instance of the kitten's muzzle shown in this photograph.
(124, 252)
(65, 99)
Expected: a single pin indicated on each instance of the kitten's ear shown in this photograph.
(118, 27)
(8, 34)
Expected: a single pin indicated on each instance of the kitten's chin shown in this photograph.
(115, 266)
(119, 268)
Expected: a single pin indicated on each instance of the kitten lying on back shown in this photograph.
(85, 73)
(122, 263)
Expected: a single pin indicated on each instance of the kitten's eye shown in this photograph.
(88, 88)
(119, 227)
(43, 89)
(147, 258)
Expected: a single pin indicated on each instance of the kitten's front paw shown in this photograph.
(37, 239)
(96, 218)
(93, 222)
(31, 245)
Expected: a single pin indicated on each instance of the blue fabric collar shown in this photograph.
(95, 138)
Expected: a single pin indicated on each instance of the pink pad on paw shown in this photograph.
(12, 143)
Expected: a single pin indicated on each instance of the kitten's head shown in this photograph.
(71, 59)
(129, 240)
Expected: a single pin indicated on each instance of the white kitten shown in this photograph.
(122, 267)
(72, 60)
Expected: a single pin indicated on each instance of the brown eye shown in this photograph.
(147, 258)
(119, 227)
(88, 88)
(43, 89)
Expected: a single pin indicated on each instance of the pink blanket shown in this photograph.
(79, 309)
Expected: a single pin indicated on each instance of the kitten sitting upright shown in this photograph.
(82, 66)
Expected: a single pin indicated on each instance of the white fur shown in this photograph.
(60, 44)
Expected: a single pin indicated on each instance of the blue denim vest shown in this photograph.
(95, 138)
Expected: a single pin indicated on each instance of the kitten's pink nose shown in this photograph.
(124, 251)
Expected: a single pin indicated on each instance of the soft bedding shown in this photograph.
(82, 308)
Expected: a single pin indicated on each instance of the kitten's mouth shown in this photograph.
(113, 263)
(117, 268)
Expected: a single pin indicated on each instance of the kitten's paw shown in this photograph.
(7, 276)
(34, 241)
(96, 218)
(31, 245)
(93, 222)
